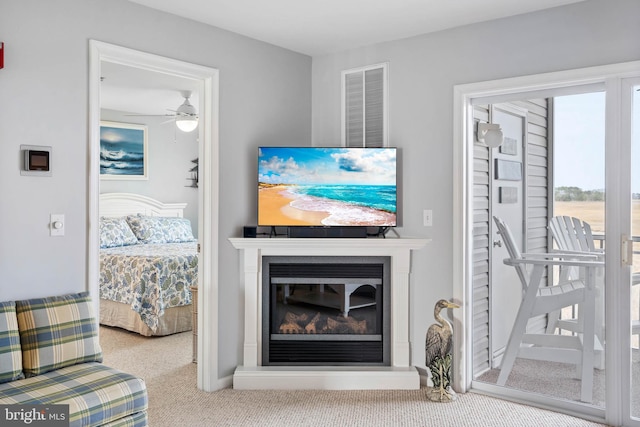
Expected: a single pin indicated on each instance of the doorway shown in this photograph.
(206, 81)
(609, 79)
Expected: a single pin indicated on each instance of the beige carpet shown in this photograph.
(174, 400)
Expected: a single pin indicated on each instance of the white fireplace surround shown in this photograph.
(399, 375)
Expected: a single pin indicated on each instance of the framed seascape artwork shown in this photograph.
(123, 151)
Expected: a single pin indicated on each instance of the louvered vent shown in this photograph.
(325, 352)
(364, 98)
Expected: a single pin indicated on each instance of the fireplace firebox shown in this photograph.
(324, 310)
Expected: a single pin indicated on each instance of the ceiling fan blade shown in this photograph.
(151, 115)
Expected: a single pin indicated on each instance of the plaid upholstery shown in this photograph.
(96, 394)
(56, 332)
(139, 419)
(10, 353)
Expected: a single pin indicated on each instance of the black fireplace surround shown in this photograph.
(325, 310)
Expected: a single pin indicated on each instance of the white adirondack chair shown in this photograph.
(539, 299)
(574, 235)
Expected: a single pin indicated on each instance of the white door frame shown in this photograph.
(208, 150)
(540, 85)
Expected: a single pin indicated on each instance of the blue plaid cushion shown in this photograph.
(97, 395)
(115, 232)
(158, 229)
(10, 353)
(56, 332)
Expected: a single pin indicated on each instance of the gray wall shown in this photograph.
(265, 98)
(422, 73)
(170, 153)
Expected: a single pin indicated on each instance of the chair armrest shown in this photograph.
(552, 261)
(556, 254)
(578, 254)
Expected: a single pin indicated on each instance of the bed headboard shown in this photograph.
(121, 204)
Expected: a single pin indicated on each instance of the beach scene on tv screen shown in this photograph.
(312, 186)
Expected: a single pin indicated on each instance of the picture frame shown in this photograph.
(124, 151)
(509, 146)
(507, 195)
(508, 170)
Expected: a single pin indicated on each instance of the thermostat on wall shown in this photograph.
(36, 160)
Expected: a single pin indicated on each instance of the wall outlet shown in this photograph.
(427, 217)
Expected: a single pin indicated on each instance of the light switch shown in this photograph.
(427, 217)
(56, 225)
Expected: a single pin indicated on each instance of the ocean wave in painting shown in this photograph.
(118, 161)
(348, 204)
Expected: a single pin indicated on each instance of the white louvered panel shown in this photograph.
(374, 107)
(481, 249)
(354, 109)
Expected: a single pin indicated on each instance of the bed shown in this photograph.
(148, 263)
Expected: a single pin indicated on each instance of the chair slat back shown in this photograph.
(572, 234)
(512, 249)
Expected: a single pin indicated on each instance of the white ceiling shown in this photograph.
(135, 90)
(327, 26)
(311, 28)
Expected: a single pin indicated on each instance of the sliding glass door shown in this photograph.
(580, 159)
(630, 137)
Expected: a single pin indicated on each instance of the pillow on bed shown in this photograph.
(115, 232)
(158, 229)
(10, 351)
(56, 332)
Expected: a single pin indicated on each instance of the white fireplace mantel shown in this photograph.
(399, 375)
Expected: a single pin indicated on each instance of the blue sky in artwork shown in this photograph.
(315, 165)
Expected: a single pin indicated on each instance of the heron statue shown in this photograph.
(438, 354)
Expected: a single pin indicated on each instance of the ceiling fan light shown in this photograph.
(186, 119)
(187, 124)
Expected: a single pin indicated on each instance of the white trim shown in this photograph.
(544, 93)
(463, 197)
(208, 85)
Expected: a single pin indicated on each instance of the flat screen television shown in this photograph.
(315, 186)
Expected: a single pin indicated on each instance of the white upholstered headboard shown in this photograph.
(121, 204)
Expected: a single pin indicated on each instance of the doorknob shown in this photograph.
(497, 243)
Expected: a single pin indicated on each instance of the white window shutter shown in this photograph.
(364, 96)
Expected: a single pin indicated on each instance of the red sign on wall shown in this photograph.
(1, 55)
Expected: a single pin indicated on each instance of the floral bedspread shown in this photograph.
(149, 277)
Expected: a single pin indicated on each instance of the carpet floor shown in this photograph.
(174, 400)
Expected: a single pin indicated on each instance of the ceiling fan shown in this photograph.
(185, 116)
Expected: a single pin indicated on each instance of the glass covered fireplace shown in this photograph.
(323, 310)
